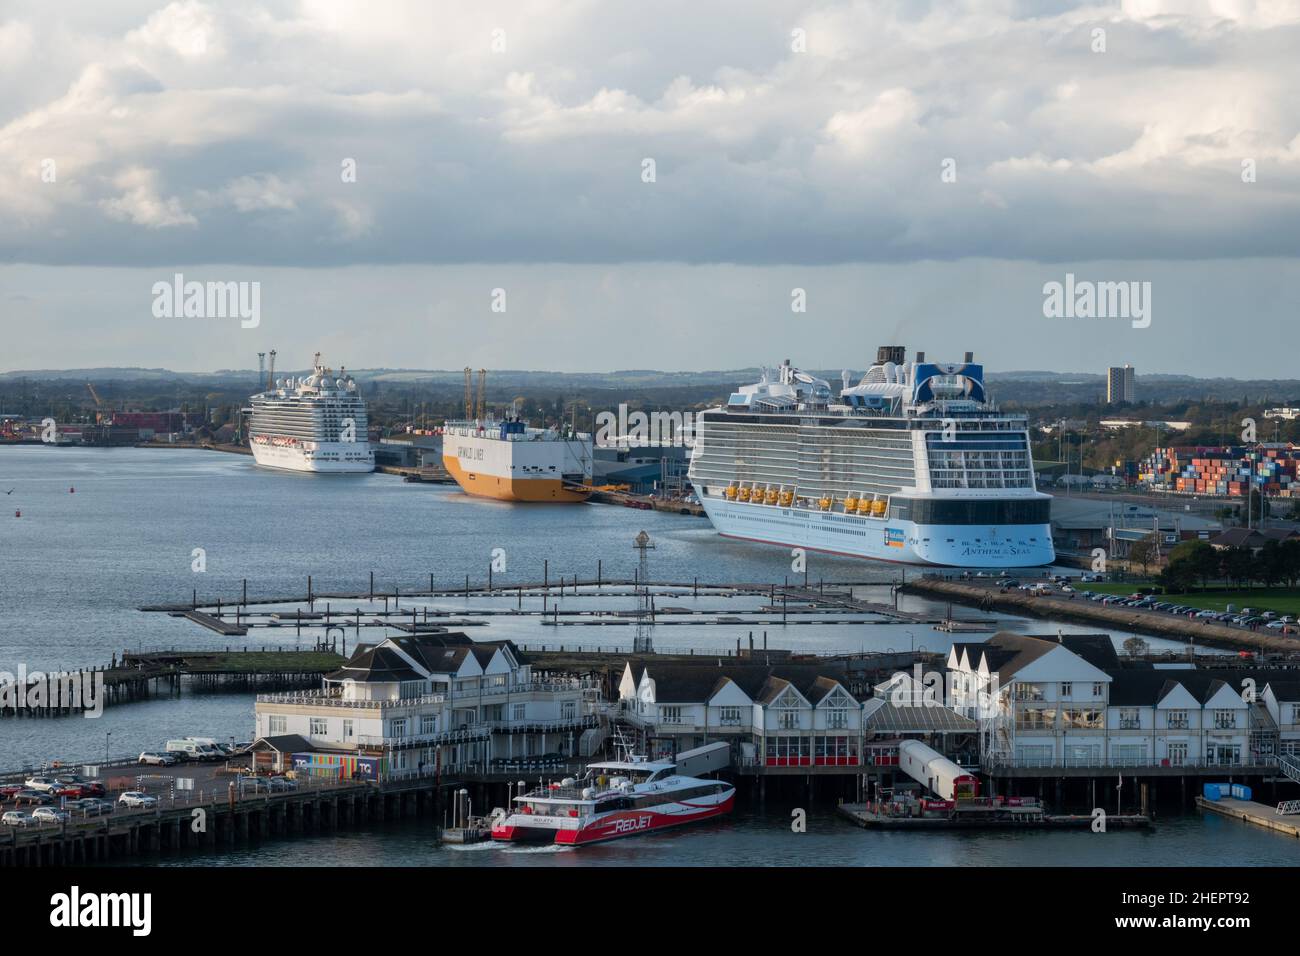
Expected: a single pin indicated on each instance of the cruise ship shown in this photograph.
(316, 423)
(510, 461)
(912, 464)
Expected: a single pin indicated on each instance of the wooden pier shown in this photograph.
(1259, 814)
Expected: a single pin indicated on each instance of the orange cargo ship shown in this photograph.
(511, 462)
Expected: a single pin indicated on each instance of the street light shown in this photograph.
(107, 734)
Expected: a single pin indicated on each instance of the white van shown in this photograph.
(185, 749)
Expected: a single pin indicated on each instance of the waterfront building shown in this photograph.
(792, 715)
(434, 701)
(1069, 703)
(1281, 699)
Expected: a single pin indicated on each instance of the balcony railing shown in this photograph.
(334, 698)
(1003, 761)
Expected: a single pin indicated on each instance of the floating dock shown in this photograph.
(982, 818)
(1260, 814)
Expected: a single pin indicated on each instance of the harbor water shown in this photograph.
(104, 531)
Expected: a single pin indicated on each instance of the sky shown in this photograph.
(587, 186)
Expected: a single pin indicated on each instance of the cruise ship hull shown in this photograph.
(314, 457)
(972, 546)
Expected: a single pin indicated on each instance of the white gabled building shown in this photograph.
(1067, 702)
(1038, 702)
(432, 700)
(1281, 698)
(774, 716)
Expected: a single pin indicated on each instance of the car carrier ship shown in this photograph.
(913, 464)
(510, 461)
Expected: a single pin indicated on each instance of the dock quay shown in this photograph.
(1261, 815)
(1061, 607)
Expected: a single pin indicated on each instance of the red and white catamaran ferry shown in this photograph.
(616, 798)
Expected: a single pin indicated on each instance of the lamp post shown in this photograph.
(107, 734)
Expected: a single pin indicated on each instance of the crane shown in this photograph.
(99, 403)
(270, 373)
(482, 394)
(469, 398)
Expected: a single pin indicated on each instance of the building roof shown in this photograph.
(1287, 689)
(685, 683)
(284, 743)
(1006, 653)
(883, 717)
(1251, 537)
(437, 653)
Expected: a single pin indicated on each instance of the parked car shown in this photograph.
(1275, 625)
(44, 784)
(73, 790)
(90, 807)
(93, 788)
(250, 784)
(32, 798)
(9, 789)
(50, 815)
(135, 799)
(279, 784)
(155, 758)
(16, 818)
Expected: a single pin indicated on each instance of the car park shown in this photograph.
(135, 799)
(16, 818)
(50, 815)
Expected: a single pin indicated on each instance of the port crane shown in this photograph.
(99, 404)
(270, 372)
(482, 394)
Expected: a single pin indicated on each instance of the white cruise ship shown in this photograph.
(912, 464)
(316, 423)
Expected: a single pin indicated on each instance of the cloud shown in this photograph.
(198, 132)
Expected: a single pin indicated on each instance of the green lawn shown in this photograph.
(1281, 600)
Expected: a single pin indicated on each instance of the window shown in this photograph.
(347, 730)
(278, 725)
(319, 727)
(1082, 719)
(518, 711)
(837, 719)
(1177, 720)
(1067, 689)
(397, 728)
(429, 724)
(1029, 692)
(729, 715)
(788, 719)
(670, 715)
(569, 710)
(1098, 690)
(1225, 719)
(1129, 720)
(1295, 713)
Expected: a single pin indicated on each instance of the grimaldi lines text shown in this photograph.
(912, 464)
(317, 424)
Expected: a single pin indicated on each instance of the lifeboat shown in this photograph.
(864, 506)
(877, 508)
(850, 505)
(786, 497)
(731, 491)
(824, 504)
(771, 496)
(743, 494)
